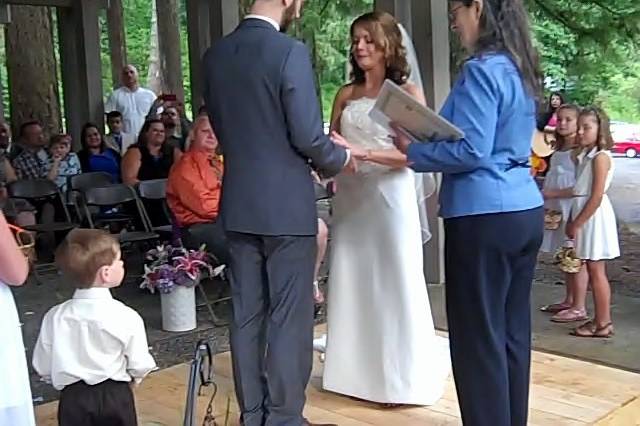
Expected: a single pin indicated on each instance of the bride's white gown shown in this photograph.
(381, 343)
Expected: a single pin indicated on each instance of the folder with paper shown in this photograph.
(395, 105)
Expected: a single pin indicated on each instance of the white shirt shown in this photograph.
(133, 105)
(272, 21)
(93, 338)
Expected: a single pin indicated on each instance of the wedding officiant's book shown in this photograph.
(395, 105)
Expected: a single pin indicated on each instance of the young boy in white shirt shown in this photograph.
(92, 347)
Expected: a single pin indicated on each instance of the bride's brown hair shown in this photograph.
(384, 31)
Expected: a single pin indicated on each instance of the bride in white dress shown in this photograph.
(381, 343)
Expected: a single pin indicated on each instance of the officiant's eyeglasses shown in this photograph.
(453, 13)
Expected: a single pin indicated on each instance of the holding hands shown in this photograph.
(356, 153)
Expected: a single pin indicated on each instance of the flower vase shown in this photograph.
(179, 309)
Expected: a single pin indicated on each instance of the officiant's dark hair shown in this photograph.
(504, 27)
(386, 35)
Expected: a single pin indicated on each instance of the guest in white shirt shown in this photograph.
(92, 346)
(131, 100)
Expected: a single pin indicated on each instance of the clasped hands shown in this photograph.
(356, 153)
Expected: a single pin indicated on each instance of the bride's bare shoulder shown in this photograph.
(410, 88)
(346, 92)
(414, 91)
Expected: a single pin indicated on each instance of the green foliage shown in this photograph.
(589, 49)
(137, 21)
(325, 26)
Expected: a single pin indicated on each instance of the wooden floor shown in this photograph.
(563, 392)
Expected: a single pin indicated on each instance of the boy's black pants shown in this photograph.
(109, 403)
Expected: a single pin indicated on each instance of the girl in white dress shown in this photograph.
(381, 342)
(593, 222)
(16, 405)
(562, 176)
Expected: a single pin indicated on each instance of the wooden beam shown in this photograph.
(199, 38)
(50, 3)
(117, 41)
(427, 22)
(102, 4)
(207, 21)
(225, 16)
(5, 13)
(79, 36)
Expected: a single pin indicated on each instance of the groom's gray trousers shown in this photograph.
(272, 326)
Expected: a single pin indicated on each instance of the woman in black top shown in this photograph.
(150, 158)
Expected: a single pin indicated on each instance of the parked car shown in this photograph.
(630, 146)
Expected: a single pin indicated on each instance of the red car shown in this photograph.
(629, 147)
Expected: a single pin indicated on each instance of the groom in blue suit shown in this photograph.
(261, 99)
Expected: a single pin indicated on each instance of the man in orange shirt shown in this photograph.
(193, 191)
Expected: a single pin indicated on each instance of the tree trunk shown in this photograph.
(169, 47)
(154, 81)
(117, 40)
(31, 68)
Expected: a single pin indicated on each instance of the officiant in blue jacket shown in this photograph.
(492, 210)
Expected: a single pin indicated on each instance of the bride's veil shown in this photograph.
(425, 182)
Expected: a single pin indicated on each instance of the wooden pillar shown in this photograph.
(224, 18)
(5, 18)
(430, 33)
(79, 36)
(427, 23)
(169, 47)
(207, 21)
(117, 40)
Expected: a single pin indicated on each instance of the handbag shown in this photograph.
(552, 219)
(26, 242)
(566, 258)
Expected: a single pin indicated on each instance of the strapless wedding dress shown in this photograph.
(381, 343)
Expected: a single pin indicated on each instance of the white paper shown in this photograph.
(394, 104)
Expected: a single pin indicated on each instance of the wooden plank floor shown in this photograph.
(563, 392)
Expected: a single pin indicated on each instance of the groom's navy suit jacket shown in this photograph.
(261, 99)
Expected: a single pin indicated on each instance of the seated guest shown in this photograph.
(16, 211)
(95, 155)
(7, 147)
(176, 124)
(34, 161)
(117, 139)
(64, 163)
(193, 191)
(150, 158)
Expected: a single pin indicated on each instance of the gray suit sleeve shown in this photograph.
(303, 116)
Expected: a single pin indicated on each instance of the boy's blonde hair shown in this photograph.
(83, 252)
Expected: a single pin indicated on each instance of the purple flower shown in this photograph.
(169, 266)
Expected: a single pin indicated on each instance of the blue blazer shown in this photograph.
(488, 170)
(261, 99)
